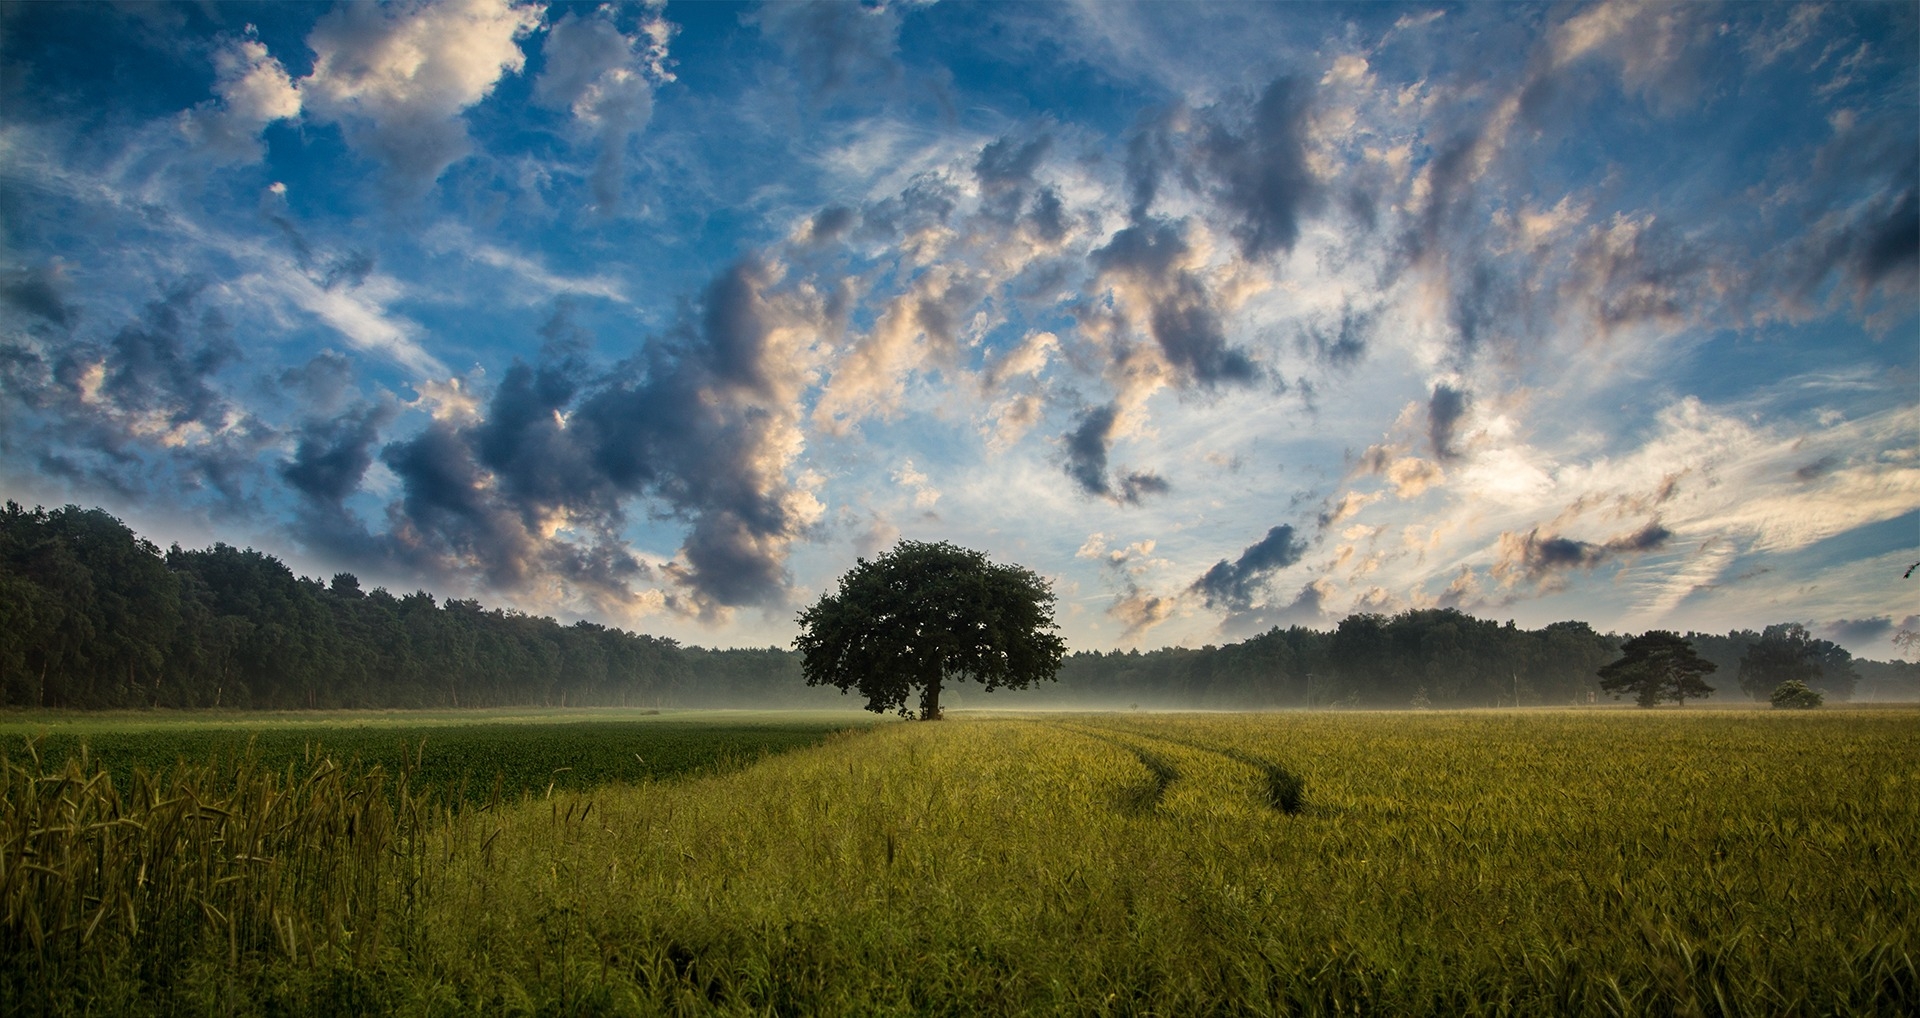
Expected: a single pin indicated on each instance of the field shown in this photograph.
(1603, 862)
(465, 755)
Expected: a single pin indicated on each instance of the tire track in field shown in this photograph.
(1285, 791)
(1161, 774)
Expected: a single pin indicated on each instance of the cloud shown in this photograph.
(253, 91)
(835, 46)
(1028, 359)
(925, 495)
(601, 75)
(1007, 165)
(92, 413)
(398, 79)
(1411, 476)
(1444, 412)
(1349, 505)
(332, 454)
(537, 484)
(917, 330)
(1138, 611)
(1545, 557)
(1344, 345)
(1858, 633)
(1149, 268)
(1263, 181)
(1889, 239)
(1086, 448)
(322, 383)
(1233, 585)
(36, 291)
(157, 373)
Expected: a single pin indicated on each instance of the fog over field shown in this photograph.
(1220, 316)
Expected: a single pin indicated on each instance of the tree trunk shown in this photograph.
(930, 700)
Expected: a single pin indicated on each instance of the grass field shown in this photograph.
(465, 755)
(1696, 862)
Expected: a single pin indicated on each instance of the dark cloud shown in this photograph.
(835, 46)
(351, 270)
(163, 364)
(1647, 538)
(691, 421)
(1376, 458)
(36, 291)
(1637, 272)
(1308, 608)
(1852, 633)
(1047, 216)
(322, 383)
(1538, 556)
(1137, 485)
(1087, 450)
(1261, 172)
(332, 455)
(141, 412)
(1190, 332)
(448, 520)
(1342, 345)
(1449, 195)
(1087, 446)
(1817, 469)
(1150, 156)
(1182, 316)
(1007, 164)
(830, 224)
(1233, 585)
(273, 208)
(1004, 171)
(1444, 411)
(524, 441)
(1889, 241)
(927, 201)
(735, 328)
(149, 385)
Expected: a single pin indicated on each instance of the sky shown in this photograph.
(1218, 316)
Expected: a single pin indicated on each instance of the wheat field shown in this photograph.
(1602, 862)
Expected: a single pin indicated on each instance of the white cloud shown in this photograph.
(253, 91)
(399, 78)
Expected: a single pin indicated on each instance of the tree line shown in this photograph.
(94, 616)
(1445, 658)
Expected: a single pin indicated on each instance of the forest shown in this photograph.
(92, 615)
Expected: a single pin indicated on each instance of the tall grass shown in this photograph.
(1699, 863)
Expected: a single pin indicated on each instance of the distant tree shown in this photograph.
(1788, 653)
(922, 614)
(1657, 666)
(1796, 695)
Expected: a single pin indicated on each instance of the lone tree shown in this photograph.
(925, 613)
(1657, 666)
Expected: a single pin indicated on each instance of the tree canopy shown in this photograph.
(924, 613)
(1788, 653)
(1657, 666)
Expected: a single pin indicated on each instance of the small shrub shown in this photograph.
(1796, 695)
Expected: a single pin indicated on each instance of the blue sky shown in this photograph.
(1219, 316)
